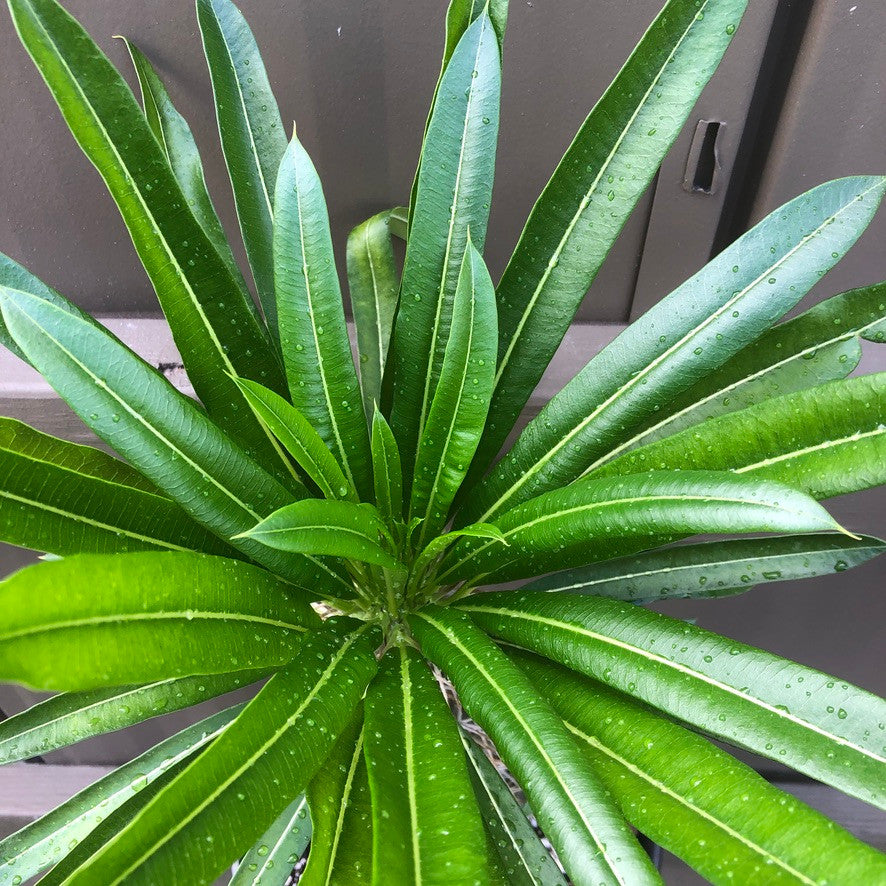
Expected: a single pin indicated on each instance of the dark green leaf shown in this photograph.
(73, 624)
(251, 132)
(426, 827)
(822, 726)
(386, 469)
(227, 798)
(714, 568)
(590, 836)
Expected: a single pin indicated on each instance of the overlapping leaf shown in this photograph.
(387, 471)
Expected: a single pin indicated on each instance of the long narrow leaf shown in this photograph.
(215, 329)
(800, 717)
(316, 348)
(689, 796)
(591, 838)
(73, 624)
(387, 470)
(251, 133)
(704, 322)
(235, 790)
(452, 197)
(427, 827)
(562, 527)
(374, 284)
(715, 568)
(461, 401)
(591, 194)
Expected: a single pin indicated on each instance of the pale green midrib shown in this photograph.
(583, 204)
(125, 618)
(441, 462)
(103, 527)
(727, 389)
(375, 301)
(590, 506)
(306, 272)
(229, 780)
(272, 438)
(692, 807)
(268, 863)
(677, 666)
(453, 212)
(532, 737)
(818, 447)
(345, 799)
(409, 754)
(637, 379)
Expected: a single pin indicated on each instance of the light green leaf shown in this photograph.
(460, 403)
(71, 717)
(235, 790)
(820, 345)
(45, 841)
(300, 439)
(817, 724)
(695, 800)
(593, 191)
(62, 498)
(177, 141)
(561, 528)
(214, 326)
(438, 545)
(278, 850)
(374, 284)
(158, 430)
(316, 348)
(251, 133)
(827, 441)
(333, 528)
(714, 568)
(73, 624)
(699, 326)
(341, 810)
(386, 469)
(426, 826)
(525, 859)
(452, 197)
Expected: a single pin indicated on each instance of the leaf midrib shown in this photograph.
(818, 447)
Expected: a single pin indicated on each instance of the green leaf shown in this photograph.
(158, 430)
(438, 545)
(341, 810)
(374, 284)
(453, 193)
(214, 326)
(827, 441)
(800, 717)
(458, 410)
(605, 171)
(689, 796)
(278, 849)
(73, 624)
(561, 528)
(574, 811)
(820, 345)
(386, 469)
(333, 528)
(71, 717)
(525, 859)
(251, 133)
(316, 348)
(64, 499)
(44, 842)
(177, 141)
(300, 439)
(714, 568)
(426, 826)
(235, 790)
(695, 329)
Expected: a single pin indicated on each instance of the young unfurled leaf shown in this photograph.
(316, 349)
(455, 420)
(387, 470)
(439, 545)
(714, 568)
(821, 726)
